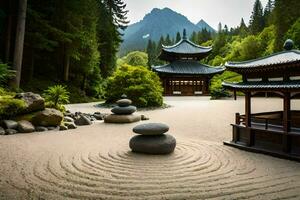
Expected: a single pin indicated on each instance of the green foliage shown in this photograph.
(5, 73)
(135, 58)
(10, 107)
(216, 89)
(56, 96)
(257, 18)
(294, 33)
(141, 85)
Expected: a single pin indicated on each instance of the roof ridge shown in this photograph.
(261, 58)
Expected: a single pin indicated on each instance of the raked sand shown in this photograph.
(95, 162)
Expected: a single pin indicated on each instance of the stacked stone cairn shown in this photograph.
(123, 112)
(151, 139)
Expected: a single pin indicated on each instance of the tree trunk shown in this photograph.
(8, 38)
(66, 67)
(19, 44)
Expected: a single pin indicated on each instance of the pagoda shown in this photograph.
(185, 75)
(275, 133)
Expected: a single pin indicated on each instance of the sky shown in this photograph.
(227, 12)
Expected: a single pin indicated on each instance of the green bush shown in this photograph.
(135, 58)
(10, 107)
(56, 96)
(5, 73)
(141, 85)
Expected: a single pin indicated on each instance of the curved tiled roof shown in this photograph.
(185, 46)
(187, 67)
(281, 58)
(259, 85)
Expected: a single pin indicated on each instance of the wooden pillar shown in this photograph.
(286, 121)
(234, 94)
(248, 109)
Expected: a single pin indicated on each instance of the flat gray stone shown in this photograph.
(10, 124)
(151, 129)
(70, 125)
(155, 144)
(10, 131)
(121, 119)
(2, 131)
(83, 121)
(68, 119)
(40, 129)
(53, 128)
(124, 102)
(25, 127)
(123, 110)
(63, 128)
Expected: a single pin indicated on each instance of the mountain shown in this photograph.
(203, 25)
(157, 23)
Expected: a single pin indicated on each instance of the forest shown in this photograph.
(75, 43)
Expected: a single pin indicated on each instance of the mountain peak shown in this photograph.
(203, 25)
(159, 22)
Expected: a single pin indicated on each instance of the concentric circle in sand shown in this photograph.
(196, 170)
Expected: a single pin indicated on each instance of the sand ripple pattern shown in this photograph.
(201, 170)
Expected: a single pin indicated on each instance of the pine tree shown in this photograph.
(242, 29)
(286, 14)
(257, 18)
(178, 37)
(168, 40)
(193, 37)
(268, 12)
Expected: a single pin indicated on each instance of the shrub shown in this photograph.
(56, 96)
(141, 85)
(10, 107)
(135, 58)
(5, 73)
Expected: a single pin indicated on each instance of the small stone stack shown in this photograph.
(123, 112)
(152, 139)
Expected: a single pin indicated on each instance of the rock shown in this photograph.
(151, 129)
(158, 144)
(10, 131)
(143, 118)
(123, 110)
(68, 119)
(40, 129)
(47, 117)
(124, 102)
(10, 124)
(2, 131)
(121, 118)
(98, 116)
(34, 102)
(53, 128)
(124, 96)
(25, 127)
(70, 125)
(83, 121)
(63, 128)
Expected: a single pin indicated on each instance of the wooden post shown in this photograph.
(237, 118)
(248, 109)
(234, 94)
(286, 121)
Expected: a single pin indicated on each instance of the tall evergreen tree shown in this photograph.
(178, 37)
(286, 14)
(268, 12)
(257, 18)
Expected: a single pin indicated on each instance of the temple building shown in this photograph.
(275, 133)
(185, 75)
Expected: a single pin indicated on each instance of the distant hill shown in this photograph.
(155, 24)
(203, 25)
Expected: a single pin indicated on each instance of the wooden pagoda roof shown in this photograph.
(184, 48)
(187, 67)
(264, 86)
(284, 59)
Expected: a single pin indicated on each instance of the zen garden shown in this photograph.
(150, 99)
